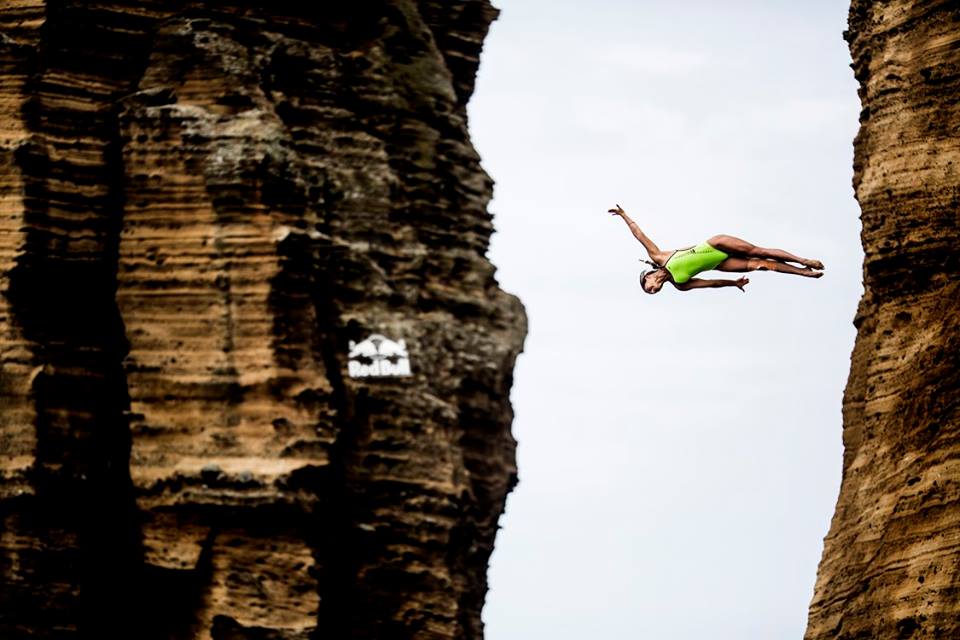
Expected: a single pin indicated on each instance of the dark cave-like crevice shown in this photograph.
(62, 293)
(333, 536)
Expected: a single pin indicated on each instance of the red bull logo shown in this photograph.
(378, 357)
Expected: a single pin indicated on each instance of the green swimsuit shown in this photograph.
(687, 263)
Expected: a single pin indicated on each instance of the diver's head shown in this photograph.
(652, 280)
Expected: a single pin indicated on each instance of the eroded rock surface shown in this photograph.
(201, 205)
(891, 562)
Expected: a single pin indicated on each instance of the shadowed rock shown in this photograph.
(203, 205)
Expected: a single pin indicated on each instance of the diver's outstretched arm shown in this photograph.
(703, 283)
(653, 250)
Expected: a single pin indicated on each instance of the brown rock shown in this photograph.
(891, 562)
(205, 206)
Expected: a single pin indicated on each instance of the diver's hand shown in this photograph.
(741, 283)
(618, 211)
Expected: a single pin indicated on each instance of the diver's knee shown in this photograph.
(717, 241)
(757, 265)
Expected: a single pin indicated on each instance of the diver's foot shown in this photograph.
(813, 264)
(811, 273)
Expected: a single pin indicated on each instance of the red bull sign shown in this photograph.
(378, 357)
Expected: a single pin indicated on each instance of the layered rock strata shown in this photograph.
(204, 205)
(891, 561)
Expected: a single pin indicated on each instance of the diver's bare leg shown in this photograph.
(755, 264)
(738, 247)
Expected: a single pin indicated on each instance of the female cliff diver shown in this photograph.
(724, 253)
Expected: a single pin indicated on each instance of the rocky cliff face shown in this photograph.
(891, 562)
(206, 209)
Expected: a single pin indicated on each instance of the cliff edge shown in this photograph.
(891, 561)
(255, 364)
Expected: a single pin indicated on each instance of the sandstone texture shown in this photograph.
(202, 205)
(891, 561)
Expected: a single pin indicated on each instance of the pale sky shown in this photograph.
(679, 454)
